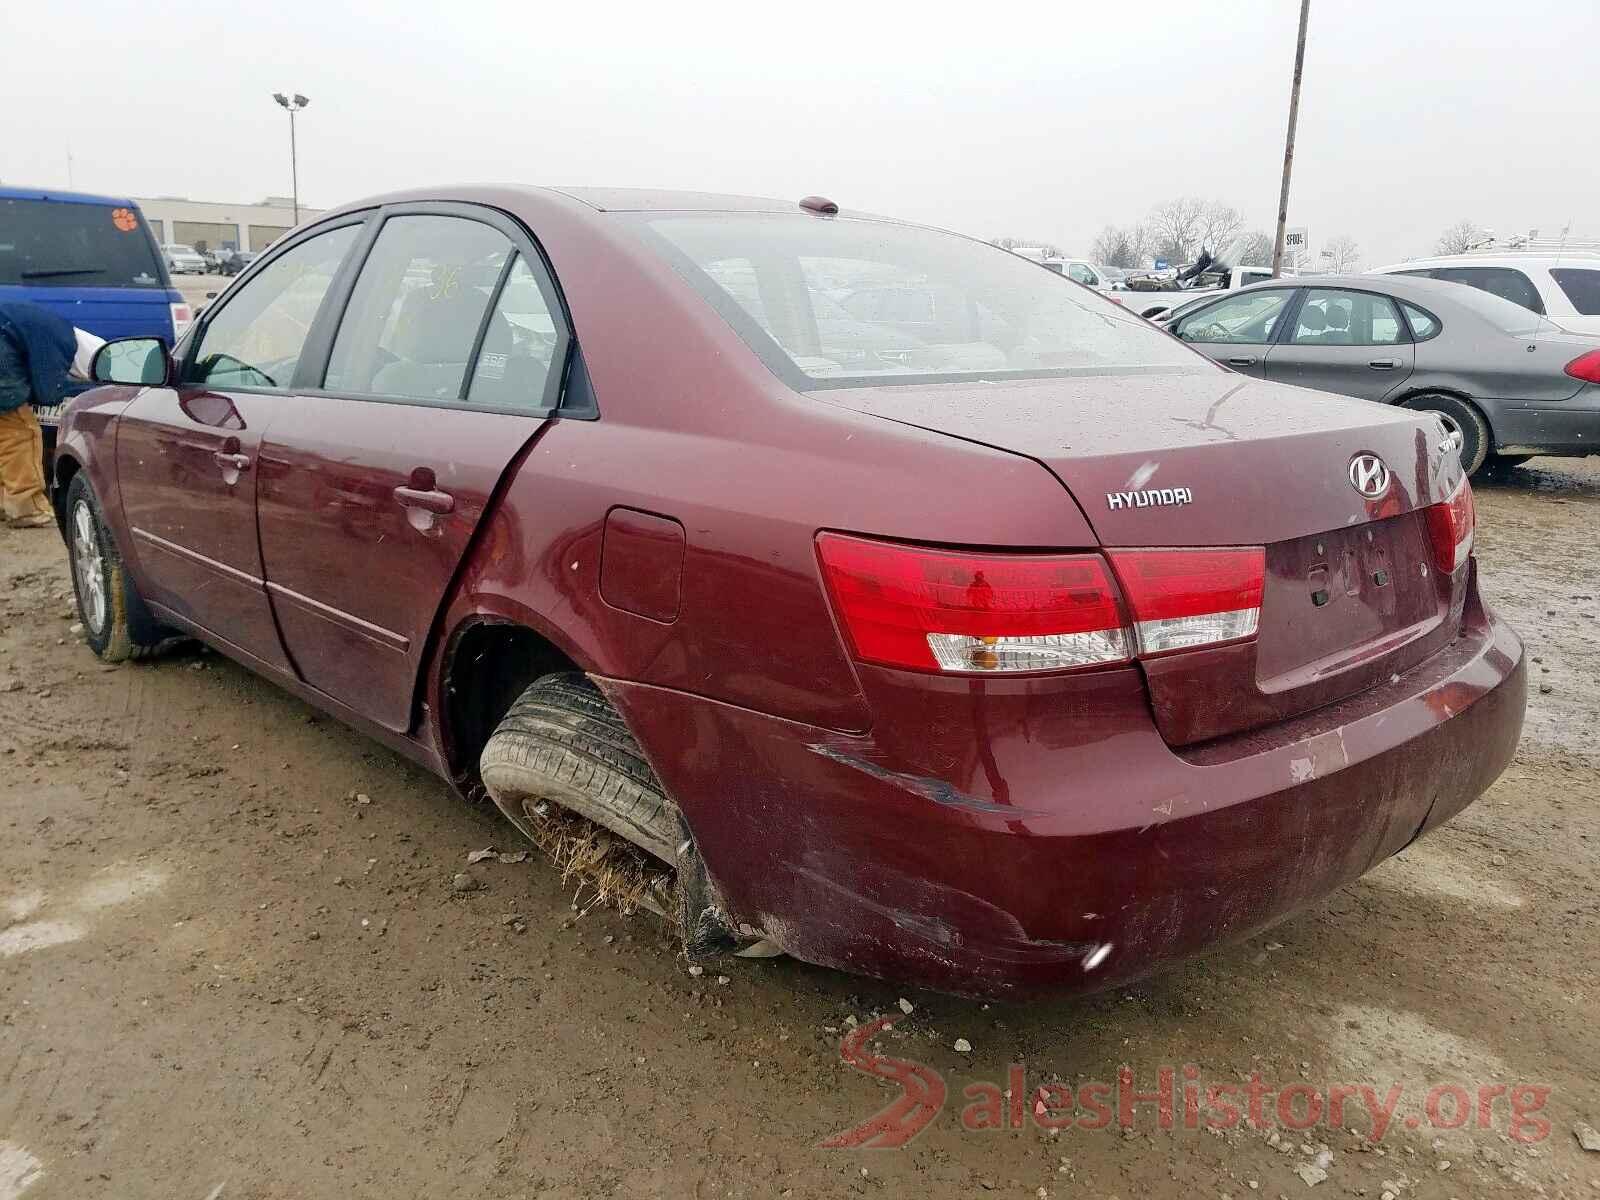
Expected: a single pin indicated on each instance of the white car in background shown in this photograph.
(182, 260)
(1563, 287)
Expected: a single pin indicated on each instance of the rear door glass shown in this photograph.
(1582, 286)
(1497, 281)
(47, 243)
(1334, 317)
(414, 315)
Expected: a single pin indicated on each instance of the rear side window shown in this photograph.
(1504, 282)
(413, 318)
(1423, 324)
(1582, 286)
(47, 243)
(1334, 317)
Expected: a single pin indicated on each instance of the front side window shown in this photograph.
(1246, 320)
(1582, 286)
(828, 302)
(255, 340)
(1334, 317)
(413, 318)
(1081, 274)
(1497, 281)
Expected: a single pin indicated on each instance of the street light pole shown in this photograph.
(293, 103)
(1288, 145)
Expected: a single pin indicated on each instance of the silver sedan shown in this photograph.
(1510, 382)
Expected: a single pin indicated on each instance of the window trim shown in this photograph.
(522, 243)
(1305, 291)
(196, 335)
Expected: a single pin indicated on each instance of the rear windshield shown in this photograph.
(841, 302)
(1582, 286)
(47, 243)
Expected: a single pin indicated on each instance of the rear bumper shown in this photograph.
(1570, 426)
(1066, 847)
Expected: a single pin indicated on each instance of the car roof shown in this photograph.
(595, 199)
(1404, 286)
(60, 197)
(1510, 258)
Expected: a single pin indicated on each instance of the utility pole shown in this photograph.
(294, 103)
(1288, 145)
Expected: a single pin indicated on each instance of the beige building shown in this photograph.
(207, 225)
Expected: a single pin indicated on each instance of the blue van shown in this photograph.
(93, 260)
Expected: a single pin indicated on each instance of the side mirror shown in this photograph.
(137, 360)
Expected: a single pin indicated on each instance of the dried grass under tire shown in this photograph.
(609, 870)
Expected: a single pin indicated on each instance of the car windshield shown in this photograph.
(1501, 313)
(50, 243)
(830, 303)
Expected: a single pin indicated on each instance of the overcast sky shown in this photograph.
(1036, 121)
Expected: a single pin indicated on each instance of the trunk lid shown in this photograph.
(1209, 458)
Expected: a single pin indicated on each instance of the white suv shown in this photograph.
(1564, 287)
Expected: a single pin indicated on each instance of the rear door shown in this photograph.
(1237, 330)
(188, 457)
(1346, 341)
(447, 361)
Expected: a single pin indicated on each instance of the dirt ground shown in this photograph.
(233, 964)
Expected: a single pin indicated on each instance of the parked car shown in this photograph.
(1028, 677)
(1564, 287)
(1166, 299)
(92, 260)
(1504, 382)
(235, 262)
(182, 260)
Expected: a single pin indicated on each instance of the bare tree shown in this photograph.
(1175, 227)
(1119, 246)
(1342, 254)
(1459, 238)
(1254, 249)
(1219, 224)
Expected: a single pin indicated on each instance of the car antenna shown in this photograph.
(819, 204)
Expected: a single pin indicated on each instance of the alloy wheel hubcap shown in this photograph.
(90, 567)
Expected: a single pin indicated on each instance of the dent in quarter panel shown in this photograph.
(641, 564)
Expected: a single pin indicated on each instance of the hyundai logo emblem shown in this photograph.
(1369, 476)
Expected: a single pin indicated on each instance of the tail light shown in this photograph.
(1187, 598)
(950, 610)
(1585, 367)
(1450, 529)
(182, 318)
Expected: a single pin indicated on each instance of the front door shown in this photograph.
(188, 457)
(1345, 341)
(445, 364)
(1236, 330)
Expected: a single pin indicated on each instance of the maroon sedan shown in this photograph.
(928, 614)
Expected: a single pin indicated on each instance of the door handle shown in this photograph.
(233, 462)
(1243, 360)
(1384, 364)
(438, 503)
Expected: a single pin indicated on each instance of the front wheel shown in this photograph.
(115, 622)
(1462, 419)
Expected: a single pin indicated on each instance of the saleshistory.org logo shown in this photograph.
(1176, 1098)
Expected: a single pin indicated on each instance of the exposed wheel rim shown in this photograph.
(89, 566)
